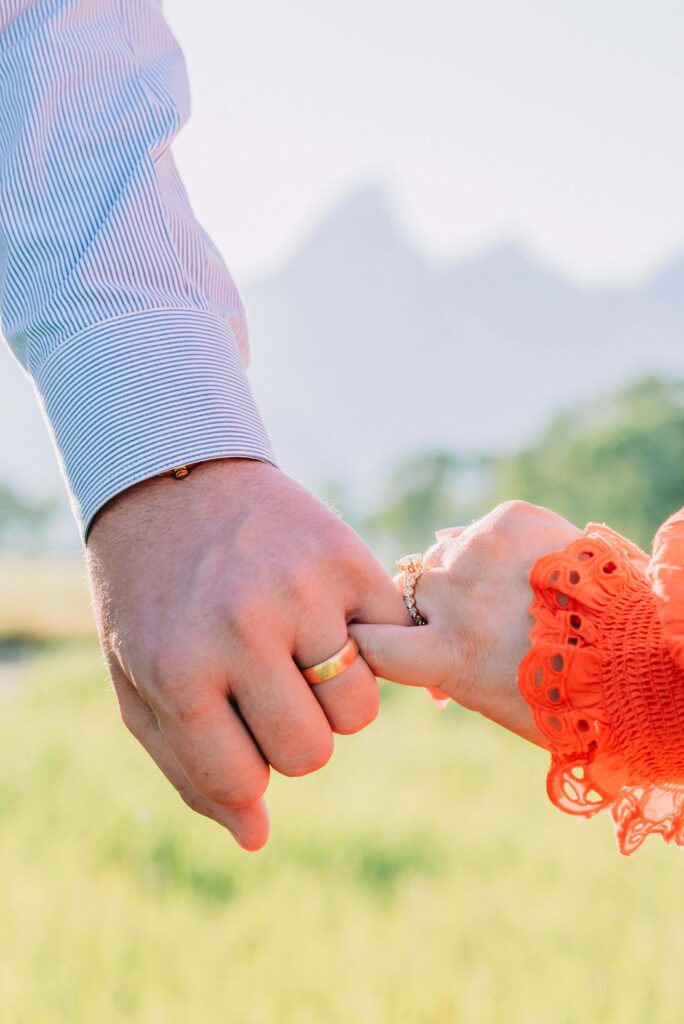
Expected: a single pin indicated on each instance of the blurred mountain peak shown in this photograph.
(364, 350)
(364, 224)
(368, 202)
(502, 256)
(508, 267)
(363, 217)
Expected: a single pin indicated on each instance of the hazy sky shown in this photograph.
(558, 123)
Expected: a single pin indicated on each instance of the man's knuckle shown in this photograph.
(313, 545)
(516, 511)
(182, 703)
(164, 659)
(305, 762)
(292, 582)
(348, 724)
(242, 609)
(237, 793)
(128, 719)
(191, 798)
(322, 551)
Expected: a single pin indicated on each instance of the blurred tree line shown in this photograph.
(619, 460)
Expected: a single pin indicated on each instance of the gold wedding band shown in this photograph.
(333, 666)
(413, 569)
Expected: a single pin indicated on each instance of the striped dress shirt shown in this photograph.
(112, 296)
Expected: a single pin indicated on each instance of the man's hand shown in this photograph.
(475, 596)
(208, 594)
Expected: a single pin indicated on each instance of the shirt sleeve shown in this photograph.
(112, 296)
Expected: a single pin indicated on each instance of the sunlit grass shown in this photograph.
(420, 879)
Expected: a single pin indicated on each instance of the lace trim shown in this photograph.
(599, 760)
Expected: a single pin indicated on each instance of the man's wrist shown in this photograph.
(143, 395)
(163, 496)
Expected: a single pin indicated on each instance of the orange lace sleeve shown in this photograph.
(605, 688)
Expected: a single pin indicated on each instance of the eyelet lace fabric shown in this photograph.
(605, 691)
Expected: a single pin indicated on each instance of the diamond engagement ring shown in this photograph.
(412, 566)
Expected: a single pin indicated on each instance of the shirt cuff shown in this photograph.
(139, 395)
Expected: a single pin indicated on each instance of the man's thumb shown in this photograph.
(403, 654)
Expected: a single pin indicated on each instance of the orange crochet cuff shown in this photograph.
(604, 691)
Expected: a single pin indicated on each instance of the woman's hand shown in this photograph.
(475, 597)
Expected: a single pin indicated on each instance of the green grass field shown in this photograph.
(422, 878)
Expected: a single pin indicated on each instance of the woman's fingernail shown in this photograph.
(438, 697)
